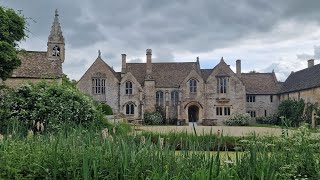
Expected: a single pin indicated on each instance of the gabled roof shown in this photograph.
(164, 74)
(101, 61)
(304, 79)
(260, 83)
(205, 73)
(35, 64)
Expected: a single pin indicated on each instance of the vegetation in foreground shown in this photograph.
(114, 154)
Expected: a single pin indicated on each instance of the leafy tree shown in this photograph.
(67, 82)
(12, 30)
(54, 106)
(292, 110)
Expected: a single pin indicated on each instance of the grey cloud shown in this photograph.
(167, 26)
(315, 55)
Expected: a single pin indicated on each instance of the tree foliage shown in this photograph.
(12, 30)
(55, 106)
(292, 110)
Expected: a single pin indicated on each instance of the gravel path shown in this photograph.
(227, 130)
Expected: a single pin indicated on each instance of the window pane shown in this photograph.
(127, 109)
(132, 109)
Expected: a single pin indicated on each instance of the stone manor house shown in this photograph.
(183, 90)
(186, 92)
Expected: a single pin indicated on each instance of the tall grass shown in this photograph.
(84, 154)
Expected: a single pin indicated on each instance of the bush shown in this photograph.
(292, 110)
(52, 106)
(154, 118)
(238, 119)
(267, 120)
(106, 109)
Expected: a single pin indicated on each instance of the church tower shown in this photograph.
(56, 43)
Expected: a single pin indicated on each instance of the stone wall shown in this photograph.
(308, 95)
(233, 98)
(263, 105)
(100, 68)
(134, 98)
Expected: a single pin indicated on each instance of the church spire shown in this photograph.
(56, 40)
(56, 33)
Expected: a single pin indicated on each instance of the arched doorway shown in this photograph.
(193, 113)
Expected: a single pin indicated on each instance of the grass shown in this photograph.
(84, 154)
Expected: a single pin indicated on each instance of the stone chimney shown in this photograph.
(149, 63)
(238, 67)
(310, 63)
(124, 64)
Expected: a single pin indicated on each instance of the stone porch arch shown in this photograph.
(193, 111)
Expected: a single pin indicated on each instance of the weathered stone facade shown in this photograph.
(41, 66)
(183, 90)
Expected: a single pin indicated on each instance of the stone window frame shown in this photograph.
(193, 85)
(174, 97)
(159, 98)
(251, 98)
(222, 84)
(252, 113)
(271, 98)
(227, 110)
(98, 85)
(129, 109)
(219, 111)
(223, 110)
(128, 88)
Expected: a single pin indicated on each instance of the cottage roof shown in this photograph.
(304, 79)
(205, 73)
(164, 74)
(35, 64)
(260, 83)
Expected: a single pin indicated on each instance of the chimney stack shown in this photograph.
(124, 64)
(149, 62)
(310, 63)
(238, 67)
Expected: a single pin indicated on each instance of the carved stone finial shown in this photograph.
(99, 53)
(56, 12)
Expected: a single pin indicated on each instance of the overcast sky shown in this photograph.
(264, 34)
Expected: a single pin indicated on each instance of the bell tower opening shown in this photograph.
(56, 40)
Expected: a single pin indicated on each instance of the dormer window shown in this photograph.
(222, 85)
(193, 85)
(56, 51)
(128, 88)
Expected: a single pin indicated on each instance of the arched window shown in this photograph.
(129, 109)
(193, 85)
(128, 87)
(56, 51)
(159, 98)
(174, 98)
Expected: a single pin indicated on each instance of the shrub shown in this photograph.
(106, 109)
(238, 119)
(267, 120)
(292, 110)
(154, 118)
(52, 106)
